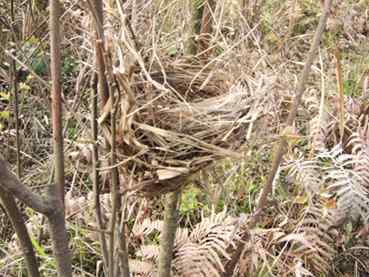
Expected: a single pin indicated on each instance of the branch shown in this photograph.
(19, 226)
(11, 184)
(283, 139)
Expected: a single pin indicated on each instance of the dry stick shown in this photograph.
(95, 174)
(168, 234)
(337, 55)
(16, 218)
(283, 139)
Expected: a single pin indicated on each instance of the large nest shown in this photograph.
(177, 119)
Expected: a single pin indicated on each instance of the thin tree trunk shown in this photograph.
(56, 109)
(168, 234)
(15, 90)
(283, 144)
(95, 174)
(19, 226)
(58, 234)
(56, 218)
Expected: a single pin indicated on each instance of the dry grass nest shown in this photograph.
(174, 120)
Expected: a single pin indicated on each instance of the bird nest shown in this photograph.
(175, 120)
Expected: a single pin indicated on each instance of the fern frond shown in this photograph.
(200, 252)
(307, 174)
(348, 181)
(142, 269)
(313, 241)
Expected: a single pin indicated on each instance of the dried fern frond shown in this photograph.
(312, 240)
(348, 181)
(199, 252)
(307, 174)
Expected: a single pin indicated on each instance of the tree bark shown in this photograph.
(56, 217)
(95, 173)
(19, 226)
(56, 105)
(168, 234)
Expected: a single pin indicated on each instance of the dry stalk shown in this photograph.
(341, 100)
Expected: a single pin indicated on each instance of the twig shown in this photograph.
(337, 55)
(95, 173)
(283, 139)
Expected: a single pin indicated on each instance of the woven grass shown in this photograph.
(176, 121)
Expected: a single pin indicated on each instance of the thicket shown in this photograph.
(184, 138)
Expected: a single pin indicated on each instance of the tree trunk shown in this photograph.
(168, 234)
(56, 218)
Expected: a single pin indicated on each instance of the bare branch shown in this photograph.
(22, 233)
(11, 184)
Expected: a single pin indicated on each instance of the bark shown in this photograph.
(59, 236)
(56, 106)
(97, 11)
(19, 226)
(283, 139)
(95, 174)
(168, 234)
(11, 184)
(56, 218)
(15, 90)
(52, 208)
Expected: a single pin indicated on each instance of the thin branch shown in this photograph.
(340, 88)
(19, 226)
(95, 173)
(283, 139)
(11, 184)
(15, 93)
